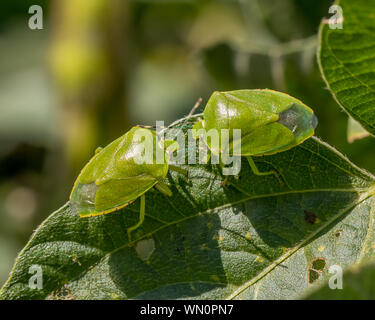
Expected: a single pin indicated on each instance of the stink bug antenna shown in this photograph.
(149, 127)
(178, 131)
(195, 107)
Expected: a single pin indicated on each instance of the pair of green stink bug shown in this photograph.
(270, 122)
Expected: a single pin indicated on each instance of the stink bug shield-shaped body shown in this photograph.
(120, 173)
(270, 122)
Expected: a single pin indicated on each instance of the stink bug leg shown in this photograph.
(171, 146)
(141, 217)
(178, 169)
(198, 127)
(224, 183)
(226, 179)
(199, 133)
(256, 171)
(98, 149)
(163, 188)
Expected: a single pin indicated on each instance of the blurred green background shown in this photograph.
(101, 66)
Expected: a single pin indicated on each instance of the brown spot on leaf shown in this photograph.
(310, 217)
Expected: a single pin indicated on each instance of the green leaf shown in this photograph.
(346, 58)
(250, 239)
(357, 284)
(356, 131)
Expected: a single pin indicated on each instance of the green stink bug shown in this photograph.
(270, 122)
(114, 177)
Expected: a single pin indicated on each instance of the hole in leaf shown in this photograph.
(315, 269)
(318, 264)
(313, 275)
(145, 248)
(338, 233)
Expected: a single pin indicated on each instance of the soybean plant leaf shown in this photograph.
(252, 238)
(356, 283)
(346, 58)
(356, 131)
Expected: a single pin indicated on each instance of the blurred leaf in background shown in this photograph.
(28, 120)
(162, 83)
(88, 63)
(356, 131)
